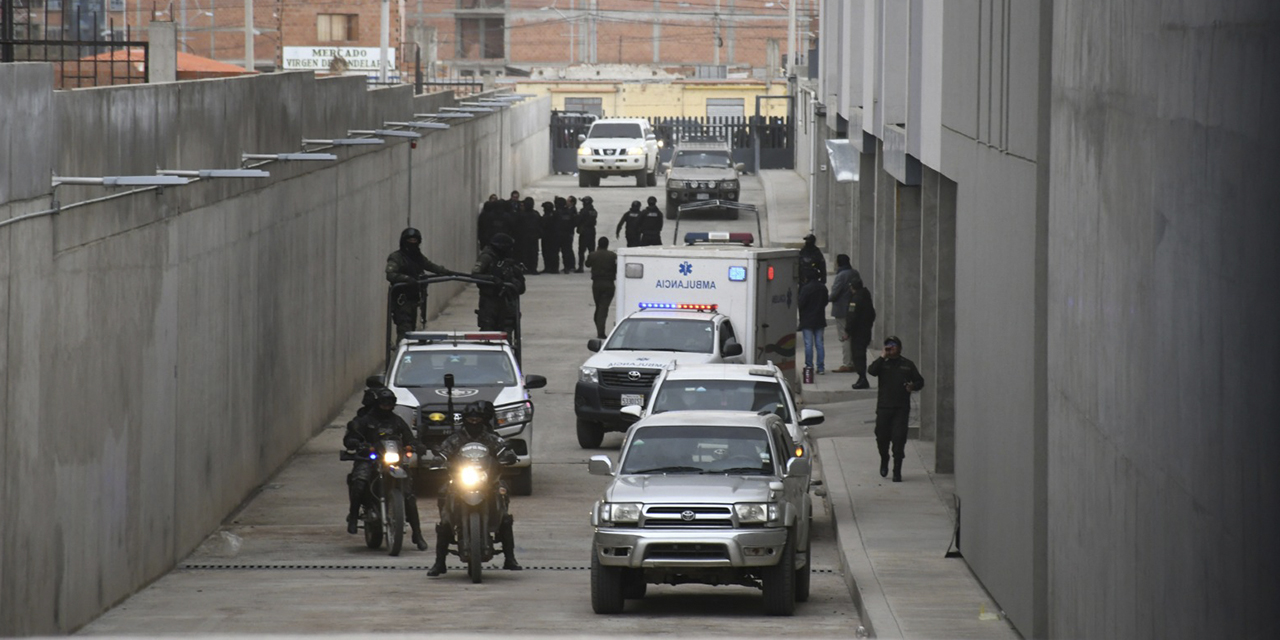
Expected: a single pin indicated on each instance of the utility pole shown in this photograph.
(6, 55)
(657, 31)
(384, 41)
(716, 42)
(594, 34)
(791, 38)
(248, 36)
(183, 29)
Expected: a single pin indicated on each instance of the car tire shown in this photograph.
(595, 180)
(642, 178)
(803, 576)
(584, 179)
(606, 586)
(590, 434)
(779, 582)
(522, 482)
(652, 178)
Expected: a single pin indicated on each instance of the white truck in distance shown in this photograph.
(618, 147)
(695, 304)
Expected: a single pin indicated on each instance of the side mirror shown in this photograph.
(741, 168)
(582, 137)
(632, 411)
(732, 349)
(594, 344)
(600, 465)
(533, 381)
(810, 417)
(798, 467)
(377, 381)
(651, 137)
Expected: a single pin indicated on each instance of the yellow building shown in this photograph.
(669, 99)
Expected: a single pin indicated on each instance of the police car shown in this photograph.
(482, 366)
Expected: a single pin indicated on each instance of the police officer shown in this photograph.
(567, 219)
(528, 228)
(405, 268)
(651, 224)
(604, 270)
(498, 309)
(477, 426)
(586, 230)
(631, 220)
(550, 239)
(492, 221)
(898, 378)
(377, 424)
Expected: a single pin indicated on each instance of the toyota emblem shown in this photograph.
(687, 515)
(633, 375)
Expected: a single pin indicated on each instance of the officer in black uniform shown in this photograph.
(379, 423)
(477, 426)
(586, 230)
(651, 224)
(528, 231)
(406, 267)
(550, 239)
(498, 309)
(898, 378)
(567, 219)
(631, 220)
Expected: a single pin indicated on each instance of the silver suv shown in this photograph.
(706, 497)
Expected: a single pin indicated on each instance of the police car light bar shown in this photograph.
(681, 306)
(695, 237)
(435, 336)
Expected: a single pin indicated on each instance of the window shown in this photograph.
(481, 38)
(481, 4)
(654, 334)
(722, 395)
(593, 106)
(616, 130)
(469, 368)
(725, 108)
(337, 27)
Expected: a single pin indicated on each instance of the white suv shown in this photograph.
(618, 147)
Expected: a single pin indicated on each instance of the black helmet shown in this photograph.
(587, 200)
(384, 396)
(528, 202)
(547, 206)
(635, 205)
(370, 398)
(653, 200)
(410, 234)
(482, 409)
(502, 241)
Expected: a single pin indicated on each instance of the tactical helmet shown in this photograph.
(482, 408)
(410, 234)
(653, 200)
(587, 200)
(635, 205)
(384, 396)
(502, 241)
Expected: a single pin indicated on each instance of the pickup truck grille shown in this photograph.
(688, 517)
(686, 551)
(622, 378)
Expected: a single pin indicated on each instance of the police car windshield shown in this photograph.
(469, 369)
(702, 160)
(658, 334)
(702, 449)
(723, 395)
(615, 130)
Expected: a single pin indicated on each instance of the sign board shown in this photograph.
(318, 58)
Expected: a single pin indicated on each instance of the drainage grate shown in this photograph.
(382, 567)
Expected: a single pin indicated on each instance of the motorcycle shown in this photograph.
(476, 504)
(383, 513)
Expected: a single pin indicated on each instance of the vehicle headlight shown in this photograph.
(756, 512)
(729, 184)
(635, 151)
(589, 374)
(620, 512)
(584, 151)
(516, 414)
(391, 457)
(470, 476)
(675, 184)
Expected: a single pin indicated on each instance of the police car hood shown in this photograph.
(438, 397)
(645, 359)
(689, 487)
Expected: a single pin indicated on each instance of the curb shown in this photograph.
(859, 576)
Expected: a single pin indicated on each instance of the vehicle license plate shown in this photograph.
(629, 399)
(704, 196)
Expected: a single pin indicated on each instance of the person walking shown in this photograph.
(586, 230)
(550, 239)
(860, 316)
(651, 224)
(604, 271)
(630, 220)
(898, 379)
(840, 295)
(813, 318)
(811, 258)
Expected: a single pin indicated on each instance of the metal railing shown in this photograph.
(73, 40)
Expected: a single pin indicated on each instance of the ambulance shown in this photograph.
(715, 299)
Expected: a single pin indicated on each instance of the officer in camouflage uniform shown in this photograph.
(407, 266)
(498, 309)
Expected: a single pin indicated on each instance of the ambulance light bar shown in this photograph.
(455, 336)
(680, 306)
(695, 237)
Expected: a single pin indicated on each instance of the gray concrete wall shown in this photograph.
(1164, 355)
(162, 353)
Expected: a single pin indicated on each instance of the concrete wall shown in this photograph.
(163, 353)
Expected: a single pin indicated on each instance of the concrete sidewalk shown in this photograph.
(892, 537)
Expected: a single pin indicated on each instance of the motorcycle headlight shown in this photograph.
(635, 151)
(517, 414)
(391, 457)
(756, 512)
(470, 476)
(675, 184)
(620, 512)
(589, 374)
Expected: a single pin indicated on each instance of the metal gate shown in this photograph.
(566, 126)
(775, 136)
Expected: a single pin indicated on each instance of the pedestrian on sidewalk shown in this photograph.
(811, 258)
(840, 296)
(813, 318)
(604, 271)
(898, 378)
(859, 317)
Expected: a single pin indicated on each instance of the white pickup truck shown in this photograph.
(618, 147)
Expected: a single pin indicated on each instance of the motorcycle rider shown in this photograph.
(498, 310)
(406, 266)
(477, 426)
(586, 231)
(363, 432)
(631, 220)
(651, 224)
